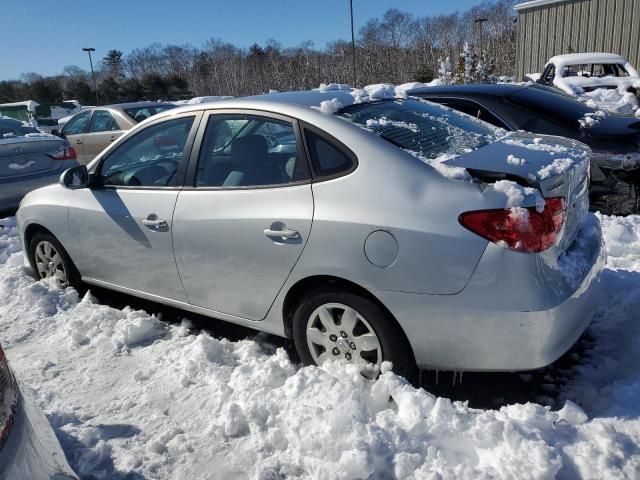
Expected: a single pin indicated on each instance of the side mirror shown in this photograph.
(75, 178)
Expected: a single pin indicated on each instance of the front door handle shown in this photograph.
(287, 234)
(154, 223)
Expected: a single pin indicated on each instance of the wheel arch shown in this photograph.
(31, 231)
(297, 291)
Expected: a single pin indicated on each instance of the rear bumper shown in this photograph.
(511, 316)
(32, 450)
(13, 190)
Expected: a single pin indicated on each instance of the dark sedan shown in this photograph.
(614, 138)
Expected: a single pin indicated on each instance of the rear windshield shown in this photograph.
(142, 113)
(551, 103)
(427, 129)
(13, 128)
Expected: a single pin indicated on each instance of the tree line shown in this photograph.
(397, 47)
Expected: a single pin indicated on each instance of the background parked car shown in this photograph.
(29, 159)
(576, 73)
(92, 130)
(28, 447)
(359, 234)
(614, 138)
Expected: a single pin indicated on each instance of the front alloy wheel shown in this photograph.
(337, 331)
(49, 263)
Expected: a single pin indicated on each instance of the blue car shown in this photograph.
(29, 159)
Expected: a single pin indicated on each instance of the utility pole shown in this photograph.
(93, 75)
(353, 46)
(480, 21)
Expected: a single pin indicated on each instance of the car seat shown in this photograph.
(251, 164)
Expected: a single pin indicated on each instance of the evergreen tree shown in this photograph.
(113, 64)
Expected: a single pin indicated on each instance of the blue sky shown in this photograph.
(43, 36)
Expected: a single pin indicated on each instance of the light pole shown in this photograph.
(480, 21)
(353, 46)
(93, 75)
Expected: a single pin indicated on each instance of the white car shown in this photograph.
(577, 73)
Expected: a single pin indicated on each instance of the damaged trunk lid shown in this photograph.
(555, 166)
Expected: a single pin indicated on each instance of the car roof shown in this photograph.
(497, 89)
(583, 58)
(286, 103)
(123, 106)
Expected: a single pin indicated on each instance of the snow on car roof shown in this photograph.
(582, 58)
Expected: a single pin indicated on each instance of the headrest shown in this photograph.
(249, 149)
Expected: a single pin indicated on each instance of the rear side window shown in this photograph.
(471, 108)
(102, 121)
(327, 159)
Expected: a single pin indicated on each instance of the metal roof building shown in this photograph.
(553, 27)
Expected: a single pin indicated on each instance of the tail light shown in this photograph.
(68, 153)
(521, 229)
(8, 399)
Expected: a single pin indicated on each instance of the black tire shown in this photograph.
(71, 273)
(395, 348)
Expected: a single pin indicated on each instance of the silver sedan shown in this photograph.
(366, 229)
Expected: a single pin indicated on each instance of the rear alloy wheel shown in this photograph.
(50, 260)
(336, 331)
(334, 325)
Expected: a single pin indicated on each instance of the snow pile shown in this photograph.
(329, 107)
(558, 166)
(330, 87)
(132, 397)
(513, 160)
(519, 196)
(618, 100)
(379, 91)
(449, 171)
(383, 122)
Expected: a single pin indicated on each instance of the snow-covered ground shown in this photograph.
(132, 397)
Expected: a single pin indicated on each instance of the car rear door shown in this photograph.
(122, 226)
(244, 216)
(103, 130)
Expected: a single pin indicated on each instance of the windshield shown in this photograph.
(422, 127)
(142, 113)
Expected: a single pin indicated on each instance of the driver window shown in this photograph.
(150, 158)
(249, 151)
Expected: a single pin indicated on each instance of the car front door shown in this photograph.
(243, 221)
(103, 130)
(122, 225)
(74, 131)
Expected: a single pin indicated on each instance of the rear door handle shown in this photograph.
(78, 141)
(286, 234)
